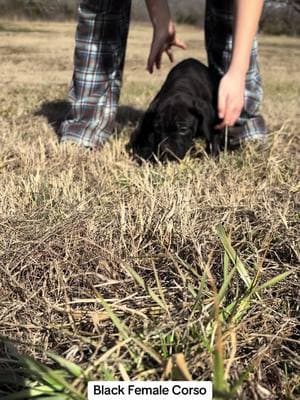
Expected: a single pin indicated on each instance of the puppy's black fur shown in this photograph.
(183, 110)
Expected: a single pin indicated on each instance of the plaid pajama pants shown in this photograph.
(98, 67)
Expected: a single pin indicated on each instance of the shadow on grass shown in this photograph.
(55, 112)
(58, 110)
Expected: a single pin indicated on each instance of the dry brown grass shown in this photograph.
(72, 223)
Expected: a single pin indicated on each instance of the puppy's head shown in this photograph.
(175, 128)
(168, 131)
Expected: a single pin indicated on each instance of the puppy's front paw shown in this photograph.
(214, 147)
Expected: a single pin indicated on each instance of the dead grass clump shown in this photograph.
(119, 268)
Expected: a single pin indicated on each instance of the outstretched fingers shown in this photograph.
(161, 44)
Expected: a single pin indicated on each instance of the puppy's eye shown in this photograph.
(183, 130)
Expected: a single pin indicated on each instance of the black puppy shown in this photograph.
(183, 110)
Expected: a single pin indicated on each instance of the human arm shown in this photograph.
(164, 33)
(232, 85)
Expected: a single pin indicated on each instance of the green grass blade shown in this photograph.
(34, 367)
(198, 296)
(60, 396)
(139, 280)
(106, 374)
(160, 289)
(273, 281)
(226, 263)
(220, 384)
(115, 320)
(28, 393)
(243, 307)
(124, 331)
(72, 368)
(53, 379)
(226, 283)
(149, 350)
(192, 291)
(233, 256)
(42, 373)
(187, 266)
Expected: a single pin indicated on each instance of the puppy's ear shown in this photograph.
(207, 118)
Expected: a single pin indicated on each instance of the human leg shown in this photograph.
(101, 39)
(219, 33)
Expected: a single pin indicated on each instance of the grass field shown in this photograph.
(187, 270)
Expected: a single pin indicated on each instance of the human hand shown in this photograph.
(163, 41)
(231, 98)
